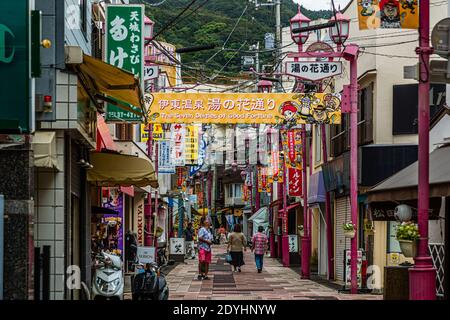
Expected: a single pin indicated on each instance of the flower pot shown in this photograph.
(349, 233)
(408, 247)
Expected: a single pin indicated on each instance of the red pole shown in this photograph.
(422, 277)
(306, 239)
(148, 213)
(354, 169)
(330, 244)
(156, 196)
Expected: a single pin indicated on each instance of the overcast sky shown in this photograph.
(321, 4)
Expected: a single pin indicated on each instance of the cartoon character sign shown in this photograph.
(289, 110)
(367, 6)
(390, 14)
(410, 5)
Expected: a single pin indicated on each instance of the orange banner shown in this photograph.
(388, 14)
(231, 108)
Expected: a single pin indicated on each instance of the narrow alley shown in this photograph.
(275, 282)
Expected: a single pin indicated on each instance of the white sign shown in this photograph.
(314, 70)
(177, 246)
(348, 255)
(151, 72)
(293, 243)
(165, 160)
(146, 254)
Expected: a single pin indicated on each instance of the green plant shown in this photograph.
(408, 231)
(348, 226)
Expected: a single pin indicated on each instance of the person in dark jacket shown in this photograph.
(188, 235)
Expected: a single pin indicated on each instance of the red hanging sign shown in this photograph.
(291, 145)
(264, 178)
(295, 182)
(180, 177)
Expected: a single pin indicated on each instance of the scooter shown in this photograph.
(149, 282)
(108, 277)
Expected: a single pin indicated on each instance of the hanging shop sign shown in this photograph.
(312, 70)
(179, 177)
(388, 14)
(151, 72)
(144, 133)
(157, 131)
(232, 108)
(260, 185)
(112, 199)
(292, 147)
(165, 160)
(295, 182)
(178, 137)
(139, 203)
(191, 145)
(293, 243)
(125, 49)
(146, 254)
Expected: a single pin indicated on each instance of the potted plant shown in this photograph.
(349, 230)
(159, 232)
(301, 230)
(407, 236)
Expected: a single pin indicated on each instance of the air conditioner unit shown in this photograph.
(73, 54)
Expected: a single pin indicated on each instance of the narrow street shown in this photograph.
(275, 282)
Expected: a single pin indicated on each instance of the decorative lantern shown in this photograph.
(299, 21)
(265, 86)
(148, 28)
(340, 31)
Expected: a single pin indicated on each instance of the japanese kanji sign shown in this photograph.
(293, 243)
(388, 14)
(151, 72)
(165, 160)
(124, 48)
(157, 132)
(292, 147)
(178, 137)
(191, 145)
(295, 182)
(231, 108)
(313, 70)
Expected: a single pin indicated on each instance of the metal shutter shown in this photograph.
(341, 243)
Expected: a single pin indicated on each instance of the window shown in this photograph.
(237, 190)
(318, 144)
(124, 131)
(365, 115)
(83, 15)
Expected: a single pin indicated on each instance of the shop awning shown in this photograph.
(111, 84)
(113, 169)
(403, 184)
(104, 138)
(316, 189)
(44, 147)
(295, 205)
(260, 218)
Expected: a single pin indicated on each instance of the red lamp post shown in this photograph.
(340, 31)
(264, 86)
(299, 21)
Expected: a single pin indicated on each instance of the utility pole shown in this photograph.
(278, 38)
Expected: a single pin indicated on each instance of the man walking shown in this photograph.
(188, 234)
(260, 246)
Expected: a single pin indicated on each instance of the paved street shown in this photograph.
(275, 282)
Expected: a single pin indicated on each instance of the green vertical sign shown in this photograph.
(125, 49)
(15, 107)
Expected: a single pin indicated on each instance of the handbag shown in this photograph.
(228, 258)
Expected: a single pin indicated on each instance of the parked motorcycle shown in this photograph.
(149, 282)
(108, 277)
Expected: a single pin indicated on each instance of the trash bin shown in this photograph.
(396, 283)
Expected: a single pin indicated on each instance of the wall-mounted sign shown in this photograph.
(151, 72)
(293, 243)
(178, 136)
(230, 108)
(125, 49)
(388, 14)
(165, 160)
(191, 145)
(312, 70)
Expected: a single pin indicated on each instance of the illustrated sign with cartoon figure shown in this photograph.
(388, 14)
(232, 108)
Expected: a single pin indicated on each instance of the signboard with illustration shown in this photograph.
(177, 246)
(388, 14)
(125, 49)
(232, 108)
(112, 199)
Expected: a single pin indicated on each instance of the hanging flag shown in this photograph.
(260, 186)
(180, 177)
(295, 182)
(165, 160)
(388, 14)
(291, 145)
(191, 145)
(178, 138)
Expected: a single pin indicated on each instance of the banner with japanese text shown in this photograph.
(259, 178)
(232, 108)
(191, 145)
(165, 160)
(292, 147)
(124, 47)
(295, 182)
(388, 14)
(178, 136)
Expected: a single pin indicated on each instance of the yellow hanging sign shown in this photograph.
(388, 14)
(231, 108)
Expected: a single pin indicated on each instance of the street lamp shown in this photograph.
(299, 21)
(148, 28)
(340, 31)
(265, 86)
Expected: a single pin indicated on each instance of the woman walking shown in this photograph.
(205, 239)
(237, 243)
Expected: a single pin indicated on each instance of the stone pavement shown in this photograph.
(275, 282)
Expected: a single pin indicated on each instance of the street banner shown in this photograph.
(125, 49)
(178, 137)
(260, 185)
(179, 177)
(157, 132)
(191, 145)
(233, 108)
(388, 14)
(165, 160)
(112, 199)
(295, 182)
(292, 147)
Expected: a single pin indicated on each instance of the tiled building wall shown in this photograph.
(49, 217)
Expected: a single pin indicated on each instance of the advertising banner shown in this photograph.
(139, 202)
(295, 182)
(191, 145)
(260, 184)
(157, 131)
(232, 108)
(144, 133)
(125, 48)
(165, 160)
(292, 147)
(178, 137)
(388, 14)
(112, 199)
